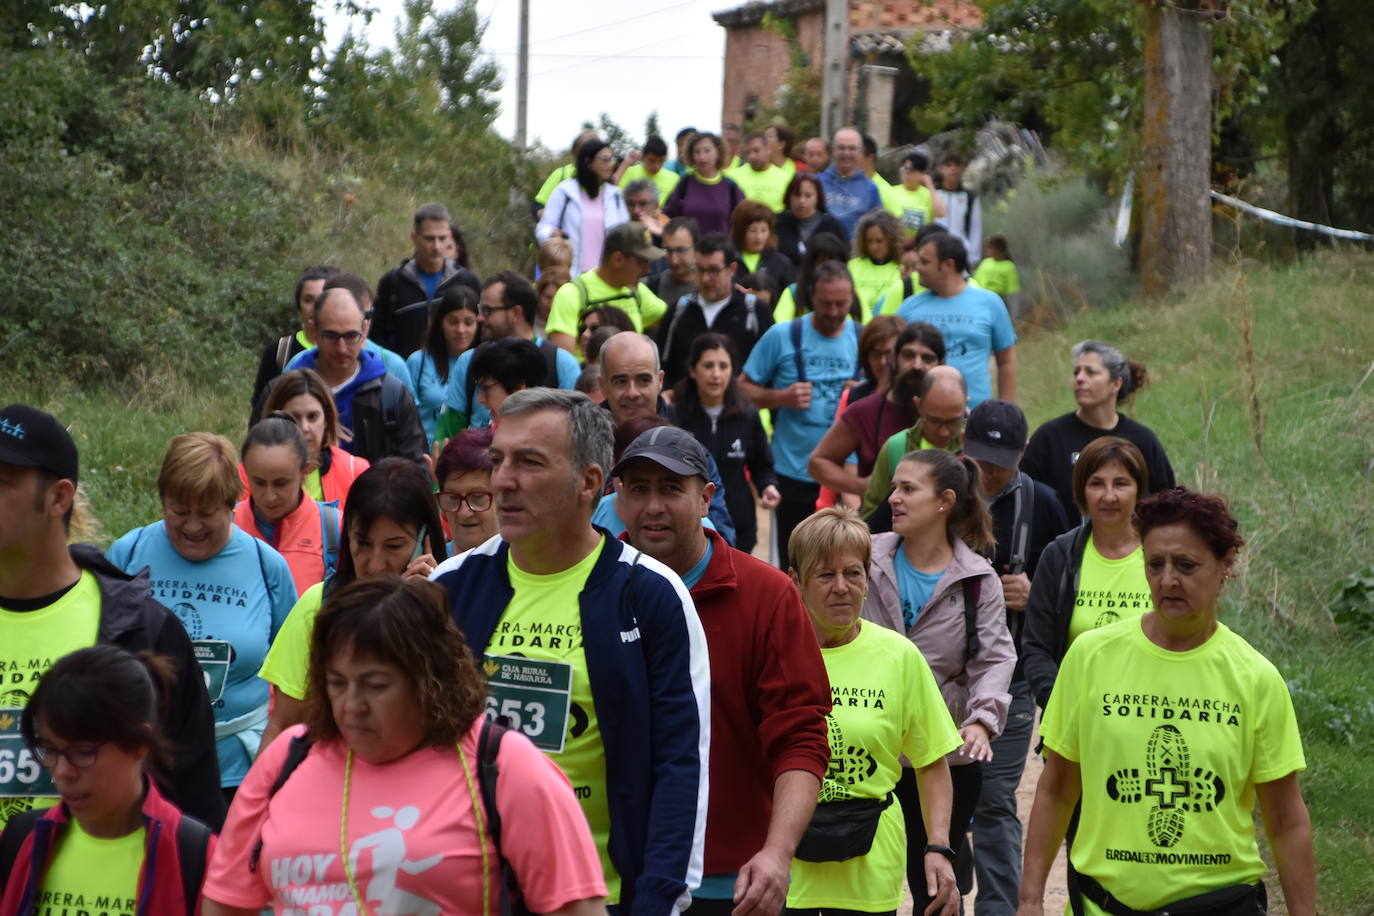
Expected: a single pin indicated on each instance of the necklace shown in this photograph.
(477, 814)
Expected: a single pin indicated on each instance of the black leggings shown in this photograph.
(968, 782)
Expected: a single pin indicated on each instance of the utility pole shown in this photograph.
(1176, 212)
(835, 75)
(522, 79)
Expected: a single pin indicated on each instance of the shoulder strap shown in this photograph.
(283, 348)
(670, 322)
(193, 842)
(858, 375)
(16, 832)
(896, 448)
(391, 401)
(295, 753)
(550, 351)
(795, 329)
(751, 315)
(968, 213)
(908, 287)
(581, 286)
(1023, 514)
(262, 568)
(329, 536)
(973, 587)
(488, 746)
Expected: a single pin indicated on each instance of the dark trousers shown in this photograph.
(831, 911)
(996, 826)
(798, 502)
(703, 907)
(967, 780)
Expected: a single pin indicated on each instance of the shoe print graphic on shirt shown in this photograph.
(849, 765)
(1171, 783)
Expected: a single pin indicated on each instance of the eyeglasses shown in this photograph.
(682, 249)
(80, 756)
(954, 423)
(486, 310)
(713, 271)
(334, 337)
(477, 500)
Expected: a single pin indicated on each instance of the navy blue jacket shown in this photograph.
(651, 687)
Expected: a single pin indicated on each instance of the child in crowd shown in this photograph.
(997, 271)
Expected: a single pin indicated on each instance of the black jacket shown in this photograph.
(269, 368)
(400, 287)
(387, 426)
(741, 320)
(789, 234)
(737, 442)
(1050, 608)
(774, 265)
(131, 619)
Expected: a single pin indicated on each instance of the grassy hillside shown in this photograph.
(1261, 390)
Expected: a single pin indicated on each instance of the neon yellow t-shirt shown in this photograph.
(93, 875)
(878, 286)
(30, 641)
(287, 666)
(556, 177)
(1108, 590)
(913, 209)
(543, 621)
(885, 705)
(786, 309)
(1170, 746)
(767, 187)
(998, 276)
(665, 178)
(568, 304)
(750, 260)
(313, 488)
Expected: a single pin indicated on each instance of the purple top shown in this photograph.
(709, 204)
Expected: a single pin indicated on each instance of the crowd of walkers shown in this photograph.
(480, 618)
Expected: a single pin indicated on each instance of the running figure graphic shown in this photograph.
(388, 847)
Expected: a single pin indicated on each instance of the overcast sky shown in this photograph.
(625, 57)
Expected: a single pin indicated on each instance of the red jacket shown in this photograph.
(769, 697)
(299, 537)
(343, 470)
(161, 860)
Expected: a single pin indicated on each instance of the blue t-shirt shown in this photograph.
(240, 596)
(456, 394)
(975, 324)
(391, 361)
(430, 281)
(847, 199)
(429, 388)
(914, 587)
(829, 362)
(693, 575)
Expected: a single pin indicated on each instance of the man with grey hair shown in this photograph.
(591, 649)
(642, 200)
(420, 278)
(632, 381)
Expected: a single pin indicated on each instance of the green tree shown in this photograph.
(797, 101)
(651, 128)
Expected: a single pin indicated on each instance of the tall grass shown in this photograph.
(1261, 391)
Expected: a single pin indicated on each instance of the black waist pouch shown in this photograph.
(841, 830)
(1237, 900)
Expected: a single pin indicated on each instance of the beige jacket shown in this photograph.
(976, 690)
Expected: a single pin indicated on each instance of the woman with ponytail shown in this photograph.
(1103, 381)
(92, 727)
(929, 582)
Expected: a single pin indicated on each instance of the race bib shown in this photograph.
(213, 655)
(532, 696)
(21, 775)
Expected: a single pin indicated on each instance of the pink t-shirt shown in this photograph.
(593, 232)
(412, 836)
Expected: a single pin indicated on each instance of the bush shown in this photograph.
(1060, 234)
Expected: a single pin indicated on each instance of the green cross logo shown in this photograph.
(1170, 783)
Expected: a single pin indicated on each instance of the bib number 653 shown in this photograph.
(527, 717)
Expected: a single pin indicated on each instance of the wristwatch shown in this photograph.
(942, 850)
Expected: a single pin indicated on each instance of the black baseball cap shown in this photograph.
(30, 438)
(670, 447)
(995, 432)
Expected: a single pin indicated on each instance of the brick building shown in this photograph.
(883, 88)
